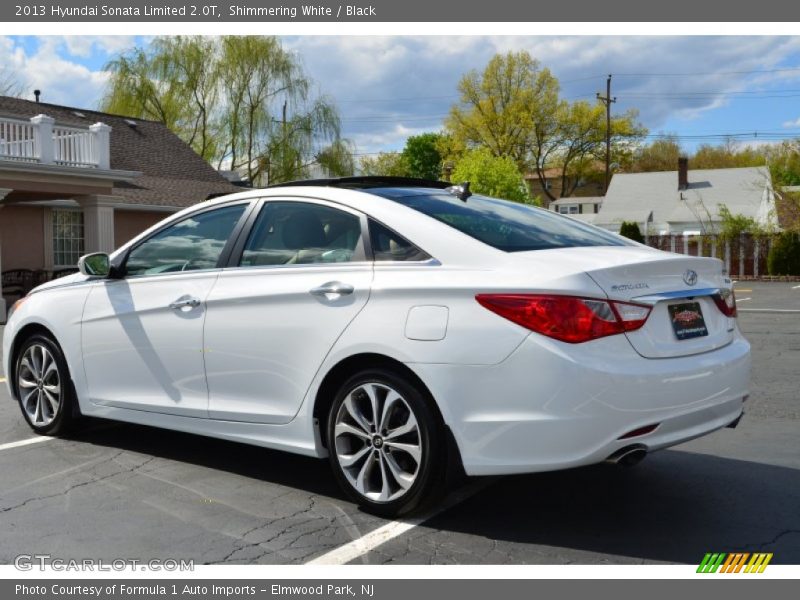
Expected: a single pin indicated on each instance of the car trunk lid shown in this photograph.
(685, 318)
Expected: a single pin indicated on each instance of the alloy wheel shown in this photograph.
(39, 385)
(377, 442)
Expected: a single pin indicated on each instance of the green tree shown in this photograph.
(513, 108)
(174, 81)
(784, 257)
(421, 155)
(784, 162)
(491, 175)
(733, 225)
(242, 102)
(500, 106)
(575, 141)
(338, 159)
(727, 155)
(659, 155)
(388, 164)
(630, 230)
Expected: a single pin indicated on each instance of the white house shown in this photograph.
(74, 181)
(687, 201)
(583, 208)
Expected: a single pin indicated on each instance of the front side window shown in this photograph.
(299, 233)
(507, 226)
(191, 244)
(67, 237)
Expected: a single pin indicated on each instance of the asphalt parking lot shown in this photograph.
(123, 491)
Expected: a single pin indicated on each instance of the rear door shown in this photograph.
(299, 279)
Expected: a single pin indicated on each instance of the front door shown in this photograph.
(142, 336)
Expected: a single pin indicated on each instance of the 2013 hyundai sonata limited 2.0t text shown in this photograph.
(402, 328)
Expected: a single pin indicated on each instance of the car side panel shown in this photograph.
(59, 310)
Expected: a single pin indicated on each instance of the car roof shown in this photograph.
(377, 197)
(368, 182)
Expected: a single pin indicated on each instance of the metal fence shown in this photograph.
(744, 256)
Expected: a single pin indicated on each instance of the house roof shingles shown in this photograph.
(634, 196)
(173, 175)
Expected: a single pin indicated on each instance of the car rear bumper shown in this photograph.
(553, 406)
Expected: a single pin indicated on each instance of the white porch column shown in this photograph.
(98, 222)
(102, 144)
(43, 133)
(3, 193)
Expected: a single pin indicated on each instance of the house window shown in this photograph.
(67, 237)
(568, 209)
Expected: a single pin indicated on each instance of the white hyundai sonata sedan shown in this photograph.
(399, 327)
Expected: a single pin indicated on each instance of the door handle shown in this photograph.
(333, 288)
(185, 302)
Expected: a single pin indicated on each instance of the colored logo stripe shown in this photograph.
(734, 562)
(710, 563)
(759, 561)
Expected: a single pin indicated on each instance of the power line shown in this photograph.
(707, 73)
(390, 119)
(404, 99)
(589, 78)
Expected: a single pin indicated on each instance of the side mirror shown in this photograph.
(95, 265)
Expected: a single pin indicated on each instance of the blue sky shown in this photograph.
(390, 87)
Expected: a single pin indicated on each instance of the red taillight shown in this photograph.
(726, 302)
(567, 318)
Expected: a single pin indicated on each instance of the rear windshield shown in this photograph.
(504, 225)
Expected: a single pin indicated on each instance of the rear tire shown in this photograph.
(386, 443)
(44, 387)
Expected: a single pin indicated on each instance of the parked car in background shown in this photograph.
(395, 326)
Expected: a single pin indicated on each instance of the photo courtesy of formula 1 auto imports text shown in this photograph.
(383, 300)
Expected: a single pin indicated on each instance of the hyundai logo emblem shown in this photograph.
(690, 277)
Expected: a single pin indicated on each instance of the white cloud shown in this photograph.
(358, 70)
(384, 85)
(85, 45)
(792, 124)
(62, 81)
(391, 138)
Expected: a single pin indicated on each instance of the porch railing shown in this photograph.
(18, 140)
(41, 141)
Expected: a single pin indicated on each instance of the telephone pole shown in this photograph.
(608, 101)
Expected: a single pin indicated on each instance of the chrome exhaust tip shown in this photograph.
(628, 456)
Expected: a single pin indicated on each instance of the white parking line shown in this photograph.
(796, 287)
(361, 546)
(26, 442)
(743, 299)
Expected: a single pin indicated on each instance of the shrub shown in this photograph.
(784, 256)
(630, 230)
(496, 176)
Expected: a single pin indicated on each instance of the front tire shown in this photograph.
(44, 387)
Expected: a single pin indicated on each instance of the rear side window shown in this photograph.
(388, 246)
(508, 226)
(298, 233)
